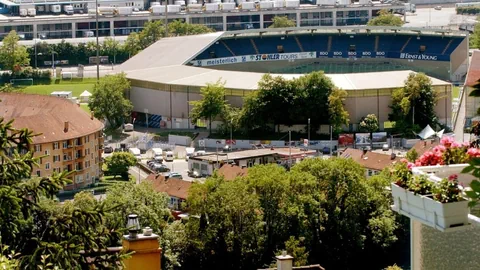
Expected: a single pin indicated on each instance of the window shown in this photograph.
(38, 148)
(47, 166)
(65, 144)
(196, 166)
(88, 176)
(56, 158)
(79, 179)
(56, 146)
(47, 152)
(38, 173)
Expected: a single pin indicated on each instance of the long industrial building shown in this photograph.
(169, 74)
(47, 24)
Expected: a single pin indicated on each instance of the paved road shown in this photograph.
(138, 173)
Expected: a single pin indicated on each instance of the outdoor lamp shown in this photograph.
(133, 226)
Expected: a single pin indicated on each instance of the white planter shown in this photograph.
(399, 195)
(447, 215)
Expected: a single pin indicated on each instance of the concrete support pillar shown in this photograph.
(298, 18)
(74, 30)
(369, 14)
(34, 30)
(261, 20)
(224, 20)
(146, 252)
(334, 17)
(112, 28)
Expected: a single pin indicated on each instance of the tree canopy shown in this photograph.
(282, 22)
(211, 105)
(119, 163)
(413, 106)
(110, 101)
(369, 123)
(323, 211)
(336, 108)
(385, 18)
(287, 102)
(13, 56)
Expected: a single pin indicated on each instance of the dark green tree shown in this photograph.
(110, 101)
(211, 105)
(282, 22)
(385, 18)
(119, 163)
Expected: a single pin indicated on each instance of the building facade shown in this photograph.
(69, 138)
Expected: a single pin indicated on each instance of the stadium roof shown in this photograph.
(165, 63)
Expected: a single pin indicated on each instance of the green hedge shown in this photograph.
(468, 10)
(38, 76)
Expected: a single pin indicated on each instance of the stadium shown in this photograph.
(368, 62)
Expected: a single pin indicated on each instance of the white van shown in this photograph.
(136, 153)
(169, 156)
(157, 154)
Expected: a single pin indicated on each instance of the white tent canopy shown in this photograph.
(85, 94)
(428, 132)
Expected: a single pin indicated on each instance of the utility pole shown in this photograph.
(331, 139)
(308, 142)
(98, 47)
(231, 134)
(166, 18)
(289, 149)
(35, 52)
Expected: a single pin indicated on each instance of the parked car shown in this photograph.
(438, 8)
(108, 150)
(174, 175)
(160, 167)
(194, 174)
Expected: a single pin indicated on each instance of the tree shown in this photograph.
(179, 28)
(119, 163)
(475, 36)
(413, 106)
(282, 22)
(338, 114)
(412, 155)
(7, 88)
(151, 33)
(369, 123)
(211, 105)
(13, 55)
(42, 231)
(132, 44)
(385, 18)
(109, 99)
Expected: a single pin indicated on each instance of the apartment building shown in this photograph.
(69, 138)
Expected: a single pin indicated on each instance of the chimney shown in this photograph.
(424, 143)
(284, 261)
(393, 156)
(65, 127)
(365, 151)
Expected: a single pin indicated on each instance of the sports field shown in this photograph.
(77, 87)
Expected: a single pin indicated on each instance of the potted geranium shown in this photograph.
(447, 207)
(401, 174)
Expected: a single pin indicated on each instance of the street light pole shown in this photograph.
(231, 134)
(98, 48)
(35, 53)
(53, 61)
(289, 149)
(308, 142)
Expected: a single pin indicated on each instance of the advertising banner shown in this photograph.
(379, 137)
(254, 58)
(345, 140)
(362, 139)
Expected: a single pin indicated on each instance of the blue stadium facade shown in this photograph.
(439, 54)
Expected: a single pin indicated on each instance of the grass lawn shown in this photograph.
(76, 86)
(85, 107)
(455, 91)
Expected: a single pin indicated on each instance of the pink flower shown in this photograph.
(456, 145)
(466, 144)
(404, 160)
(410, 165)
(447, 141)
(453, 177)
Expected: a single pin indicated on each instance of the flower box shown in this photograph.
(406, 202)
(447, 215)
(399, 195)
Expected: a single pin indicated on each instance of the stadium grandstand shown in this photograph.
(169, 74)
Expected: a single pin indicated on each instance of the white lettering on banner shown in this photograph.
(254, 58)
(418, 56)
(380, 53)
(352, 53)
(337, 53)
(366, 53)
(323, 53)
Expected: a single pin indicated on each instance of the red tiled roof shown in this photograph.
(230, 172)
(47, 115)
(369, 160)
(172, 186)
(423, 146)
(473, 74)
